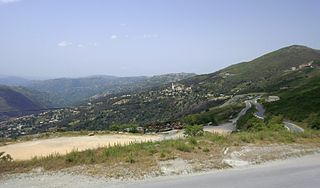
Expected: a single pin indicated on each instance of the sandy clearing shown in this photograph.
(63, 145)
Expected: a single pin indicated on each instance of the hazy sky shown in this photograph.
(54, 38)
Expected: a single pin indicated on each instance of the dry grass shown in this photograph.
(143, 158)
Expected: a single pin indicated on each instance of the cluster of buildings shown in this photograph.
(176, 89)
(32, 124)
(302, 66)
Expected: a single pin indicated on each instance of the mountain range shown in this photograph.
(106, 100)
(20, 95)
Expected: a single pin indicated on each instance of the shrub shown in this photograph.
(5, 158)
(193, 141)
(71, 157)
(314, 121)
(193, 130)
(184, 147)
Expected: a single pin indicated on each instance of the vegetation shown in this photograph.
(193, 130)
(298, 103)
(132, 128)
(72, 91)
(5, 158)
(194, 99)
(214, 115)
(250, 123)
(314, 121)
(145, 155)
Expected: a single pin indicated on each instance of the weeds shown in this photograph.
(146, 154)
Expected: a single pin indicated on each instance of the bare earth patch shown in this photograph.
(63, 145)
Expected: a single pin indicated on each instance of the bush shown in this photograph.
(314, 121)
(201, 118)
(275, 123)
(5, 158)
(193, 141)
(193, 130)
(184, 147)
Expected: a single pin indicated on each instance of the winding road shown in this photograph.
(230, 126)
(260, 114)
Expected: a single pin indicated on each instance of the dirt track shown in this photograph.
(63, 145)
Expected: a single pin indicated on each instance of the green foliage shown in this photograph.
(183, 147)
(296, 104)
(201, 118)
(314, 121)
(193, 141)
(132, 128)
(252, 124)
(5, 158)
(193, 130)
(215, 115)
(147, 153)
(275, 123)
(242, 121)
(71, 157)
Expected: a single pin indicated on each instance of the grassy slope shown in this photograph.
(145, 156)
(262, 74)
(256, 74)
(296, 104)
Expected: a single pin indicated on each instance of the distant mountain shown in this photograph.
(72, 91)
(268, 73)
(17, 101)
(293, 73)
(13, 81)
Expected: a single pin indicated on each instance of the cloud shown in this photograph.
(148, 36)
(80, 46)
(113, 37)
(95, 44)
(8, 1)
(123, 25)
(65, 44)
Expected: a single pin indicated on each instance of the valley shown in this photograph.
(179, 124)
(169, 93)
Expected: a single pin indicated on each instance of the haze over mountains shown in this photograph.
(33, 95)
(169, 97)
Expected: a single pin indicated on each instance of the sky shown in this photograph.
(76, 38)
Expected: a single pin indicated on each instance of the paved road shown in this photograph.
(292, 127)
(296, 173)
(293, 173)
(229, 126)
(260, 114)
(260, 110)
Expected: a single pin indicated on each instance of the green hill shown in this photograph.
(255, 75)
(299, 102)
(16, 101)
(200, 93)
(166, 99)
